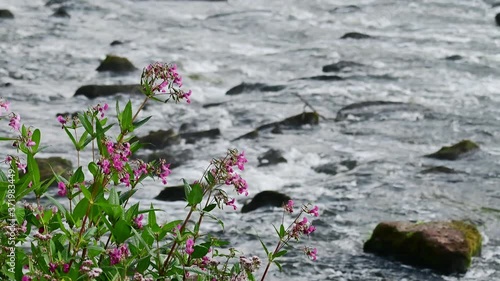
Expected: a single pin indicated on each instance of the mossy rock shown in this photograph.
(51, 165)
(6, 14)
(265, 199)
(95, 91)
(455, 151)
(116, 64)
(447, 247)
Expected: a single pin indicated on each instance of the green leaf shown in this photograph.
(7, 139)
(278, 265)
(70, 135)
(195, 196)
(280, 253)
(86, 124)
(81, 209)
(152, 219)
(121, 231)
(77, 177)
(93, 168)
(127, 194)
(126, 124)
(199, 252)
(282, 231)
(33, 168)
(86, 193)
(113, 199)
(137, 124)
(264, 247)
(210, 178)
(209, 207)
(187, 189)
(36, 136)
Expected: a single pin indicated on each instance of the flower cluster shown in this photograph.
(159, 78)
(223, 170)
(118, 254)
(118, 157)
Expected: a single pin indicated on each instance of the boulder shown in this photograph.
(61, 13)
(6, 14)
(158, 139)
(116, 64)
(456, 151)
(333, 168)
(454, 57)
(271, 157)
(355, 35)
(51, 165)
(293, 122)
(446, 247)
(439, 170)
(164, 138)
(95, 91)
(345, 9)
(323, 78)
(175, 158)
(250, 87)
(340, 66)
(116, 42)
(172, 193)
(497, 19)
(265, 199)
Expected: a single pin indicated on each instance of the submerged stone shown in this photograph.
(250, 87)
(116, 64)
(340, 66)
(264, 199)
(439, 170)
(293, 122)
(447, 247)
(61, 13)
(455, 151)
(271, 157)
(355, 35)
(95, 91)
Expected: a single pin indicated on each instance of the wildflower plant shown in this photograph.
(97, 234)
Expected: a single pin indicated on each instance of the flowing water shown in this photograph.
(218, 45)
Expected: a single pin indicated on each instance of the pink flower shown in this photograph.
(62, 189)
(23, 226)
(311, 253)
(125, 179)
(61, 120)
(231, 203)
(15, 122)
(165, 172)
(26, 278)
(21, 166)
(289, 206)
(5, 105)
(314, 211)
(186, 96)
(241, 160)
(30, 143)
(138, 221)
(118, 254)
(189, 246)
(66, 268)
(104, 164)
(52, 267)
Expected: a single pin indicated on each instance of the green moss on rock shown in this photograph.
(116, 64)
(446, 247)
(455, 151)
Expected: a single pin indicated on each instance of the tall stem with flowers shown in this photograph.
(97, 235)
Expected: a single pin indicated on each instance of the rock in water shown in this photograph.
(172, 193)
(116, 64)
(497, 19)
(340, 66)
(446, 247)
(266, 198)
(455, 151)
(355, 35)
(95, 91)
(61, 13)
(6, 14)
(51, 165)
(271, 157)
